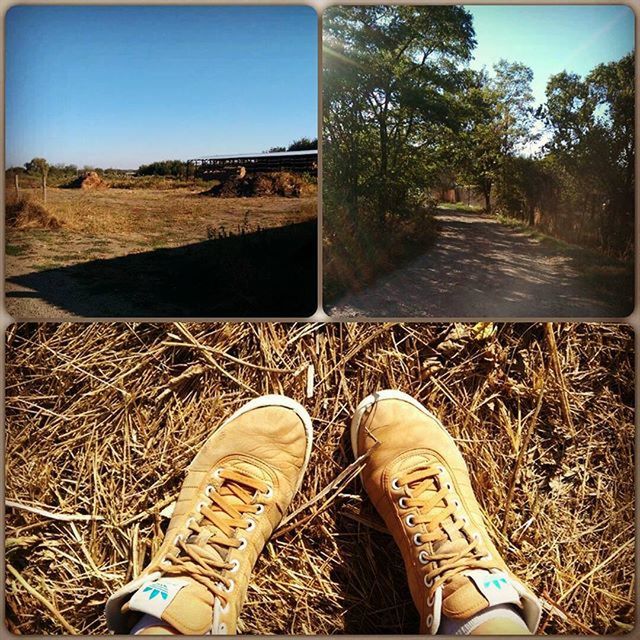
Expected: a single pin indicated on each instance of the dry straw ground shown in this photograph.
(176, 216)
(102, 420)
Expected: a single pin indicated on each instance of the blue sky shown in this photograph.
(121, 86)
(550, 39)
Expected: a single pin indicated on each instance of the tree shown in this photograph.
(591, 123)
(37, 166)
(500, 123)
(303, 144)
(389, 76)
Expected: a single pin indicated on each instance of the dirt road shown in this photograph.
(481, 268)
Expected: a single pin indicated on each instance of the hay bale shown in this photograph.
(280, 183)
(89, 180)
(22, 212)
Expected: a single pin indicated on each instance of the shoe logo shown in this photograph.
(157, 588)
(496, 582)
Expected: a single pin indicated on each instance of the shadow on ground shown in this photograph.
(268, 273)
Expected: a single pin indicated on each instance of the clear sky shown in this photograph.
(121, 86)
(550, 39)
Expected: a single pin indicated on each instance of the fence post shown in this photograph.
(44, 187)
(17, 183)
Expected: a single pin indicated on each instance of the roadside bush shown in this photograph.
(568, 206)
(357, 251)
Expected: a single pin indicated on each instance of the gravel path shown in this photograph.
(481, 268)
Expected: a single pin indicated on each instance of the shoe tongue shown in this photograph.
(182, 603)
(467, 594)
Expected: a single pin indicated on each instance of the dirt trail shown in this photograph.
(481, 268)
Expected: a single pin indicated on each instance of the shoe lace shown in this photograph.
(454, 548)
(202, 554)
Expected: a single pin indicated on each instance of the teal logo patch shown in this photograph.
(157, 589)
(496, 583)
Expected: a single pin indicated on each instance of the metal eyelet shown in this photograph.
(456, 503)
(165, 562)
(449, 487)
(229, 588)
(189, 521)
(223, 628)
(487, 557)
(430, 600)
(177, 539)
(209, 490)
(225, 609)
(251, 526)
(403, 503)
(268, 493)
(464, 520)
(199, 506)
(476, 536)
(410, 521)
(440, 469)
(428, 583)
(423, 557)
(394, 485)
(235, 567)
(217, 474)
(429, 620)
(243, 544)
(417, 540)
(259, 509)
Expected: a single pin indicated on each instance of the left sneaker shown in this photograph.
(418, 481)
(237, 490)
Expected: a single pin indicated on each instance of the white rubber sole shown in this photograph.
(276, 400)
(387, 394)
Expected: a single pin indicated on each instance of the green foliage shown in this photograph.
(499, 123)
(176, 168)
(37, 166)
(591, 152)
(355, 256)
(303, 144)
(391, 80)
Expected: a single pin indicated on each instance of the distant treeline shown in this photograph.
(169, 168)
(304, 144)
(37, 166)
(176, 168)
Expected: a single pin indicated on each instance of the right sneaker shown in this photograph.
(417, 479)
(236, 491)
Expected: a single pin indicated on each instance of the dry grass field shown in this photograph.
(102, 420)
(110, 222)
(104, 224)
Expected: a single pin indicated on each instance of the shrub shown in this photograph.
(356, 251)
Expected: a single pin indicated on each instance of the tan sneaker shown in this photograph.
(418, 481)
(236, 491)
